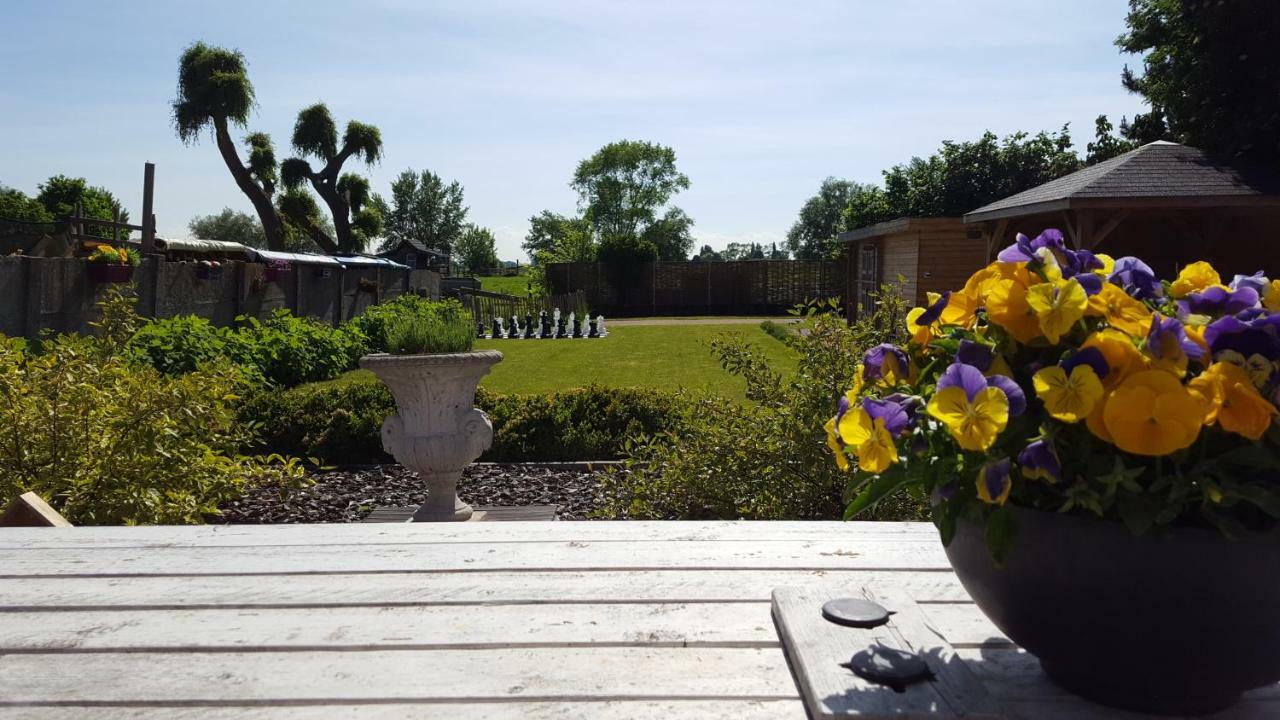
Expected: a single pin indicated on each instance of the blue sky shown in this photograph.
(760, 100)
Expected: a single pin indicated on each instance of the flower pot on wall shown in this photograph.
(1175, 624)
(109, 273)
(437, 430)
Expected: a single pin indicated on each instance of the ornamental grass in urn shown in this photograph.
(437, 430)
(1100, 448)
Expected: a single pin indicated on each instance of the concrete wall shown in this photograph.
(56, 294)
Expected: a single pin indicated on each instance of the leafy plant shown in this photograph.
(287, 350)
(107, 440)
(111, 255)
(782, 333)
(767, 459)
(447, 330)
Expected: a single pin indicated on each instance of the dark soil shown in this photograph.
(348, 495)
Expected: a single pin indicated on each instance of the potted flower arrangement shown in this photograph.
(437, 430)
(1100, 450)
(110, 264)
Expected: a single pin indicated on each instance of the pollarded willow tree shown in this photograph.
(214, 92)
(355, 219)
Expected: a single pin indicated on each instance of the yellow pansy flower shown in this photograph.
(920, 334)
(1108, 265)
(979, 285)
(1122, 356)
(1271, 297)
(1256, 366)
(1068, 397)
(1195, 277)
(833, 442)
(1120, 310)
(1057, 306)
(1152, 414)
(1008, 308)
(870, 441)
(973, 424)
(1231, 399)
(1096, 421)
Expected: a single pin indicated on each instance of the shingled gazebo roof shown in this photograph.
(1159, 174)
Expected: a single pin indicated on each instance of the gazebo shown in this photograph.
(1167, 203)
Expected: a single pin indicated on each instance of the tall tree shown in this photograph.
(426, 209)
(315, 135)
(1106, 144)
(813, 235)
(214, 92)
(229, 226)
(61, 194)
(671, 234)
(557, 238)
(1210, 70)
(16, 206)
(623, 186)
(476, 248)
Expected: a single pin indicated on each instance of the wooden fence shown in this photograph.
(745, 287)
(485, 306)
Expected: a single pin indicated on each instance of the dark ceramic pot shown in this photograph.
(1182, 623)
(109, 273)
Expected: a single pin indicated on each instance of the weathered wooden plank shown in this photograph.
(393, 589)
(693, 555)
(530, 675)
(368, 628)
(964, 625)
(357, 534)
(513, 710)
(815, 647)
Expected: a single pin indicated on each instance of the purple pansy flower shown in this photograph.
(975, 354)
(1091, 282)
(875, 359)
(1039, 460)
(1248, 333)
(1136, 277)
(1257, 281)
(934, 311)
(993, 481)
(895, 416)
(1090, 356)
(1024, 249)
(1218, 300)
(972, 381)
(1167, 335)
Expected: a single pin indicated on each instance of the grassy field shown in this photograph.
(667, 357)
(512, 285)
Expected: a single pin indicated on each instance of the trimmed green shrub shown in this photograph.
(767, 459)
(447, 330)
(780, 332)
(108, 440)
(179, 345)
(287, 350)
(340, 422)
(375, 322)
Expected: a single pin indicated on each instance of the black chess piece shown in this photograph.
(528, 326)
(561, 331)
(496, 331)
(479, 329)
(592, 332)
(577, 326)
(545, 326)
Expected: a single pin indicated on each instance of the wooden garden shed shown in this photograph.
(922, 255)
(1166, 203)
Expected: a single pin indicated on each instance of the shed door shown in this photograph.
(868, 274)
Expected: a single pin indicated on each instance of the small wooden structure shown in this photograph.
(600, 620)
(418, 256)
(920, 255)
(1166, 203)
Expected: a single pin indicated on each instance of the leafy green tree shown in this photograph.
(60, 194)
(624, 184)
(813, 235)
(1106, 145)
(230, 226)
(305, 226)
(556, 238)
(476, 248)
(1211, 73)
(315, 135)
(426, 209)
(671, 234)
(214, 92)
(706, 254)
(15, 205)
(742, 251)
(963, 176)
(777, 253)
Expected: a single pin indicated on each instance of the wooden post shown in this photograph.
(148, 202)
(115, 229)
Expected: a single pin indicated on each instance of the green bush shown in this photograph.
(340, 422)
(448, 330)
(179, 345)
(108, 440)
(783, 333)
(376, 321)
(287, 350)
(767, 459)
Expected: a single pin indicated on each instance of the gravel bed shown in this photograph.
(350, 494)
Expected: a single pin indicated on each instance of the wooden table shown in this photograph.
(516, 620)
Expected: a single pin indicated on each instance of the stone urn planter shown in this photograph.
(1180, 623)
(437, 430)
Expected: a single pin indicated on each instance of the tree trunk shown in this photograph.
(271, 225)
(341, 212)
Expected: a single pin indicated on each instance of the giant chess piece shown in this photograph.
(496, 331)
(576, 324)
(561, 328)
(593, 331)
(513, 332)
(479, 329)
(528, 327)
(545, 323)
(600, 326)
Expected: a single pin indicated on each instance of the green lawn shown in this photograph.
(659, 356)
(513, 285)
